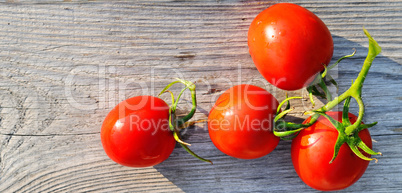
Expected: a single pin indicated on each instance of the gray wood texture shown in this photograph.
(65, 64)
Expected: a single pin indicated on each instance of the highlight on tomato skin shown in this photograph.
(312, 151)
(289, 45)
(136, 132)
(241, 121)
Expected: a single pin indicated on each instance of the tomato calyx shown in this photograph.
(352, 140)
(175, 123)
(348, 133)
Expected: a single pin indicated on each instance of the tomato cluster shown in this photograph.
(290, 46)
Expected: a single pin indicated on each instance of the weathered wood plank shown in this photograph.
(64, 65)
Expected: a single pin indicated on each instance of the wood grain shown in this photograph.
(65, 64)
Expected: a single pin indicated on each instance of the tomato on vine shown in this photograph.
(241, 121)
(136, 132)
(289, 45)
(331, 150)
(313, 149)
(142, 131)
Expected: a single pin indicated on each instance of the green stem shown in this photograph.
(340, 59)
(330, 105)
(175, 123)
(347, 132)
(191, 87)
(350, 129)
(354, 90)
(193, 108)
(374, 50)
(324, 87)
(172, 126)
(167, 87)
(194, 154)
(345, 112)
(282, 114)
(284, 101)
(310, 95)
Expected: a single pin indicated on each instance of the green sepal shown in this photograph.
(334, 122)
(172, 116)
(359, 154)
(325, 72)
(290, 137)
(282, 114)
(324, 87)
(282, 134)
(194, 154)
(283, 128)
(310, 94)
(177, 138)
(321, 83)
(354, 142)
(333, 82)
(317, 93)
(340, 59)
(191, 87)
(284, 101)
(283, 125)
(288, 103)
(172, 126)
(365, 126)
(175, 123)
(342, 137)
(167, 87)
(366, 149)
(316, 79)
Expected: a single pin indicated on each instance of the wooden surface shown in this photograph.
(65, 64)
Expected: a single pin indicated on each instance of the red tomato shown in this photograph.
(136, 132)
(240, 123)
(313, 148)
(289, 45)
